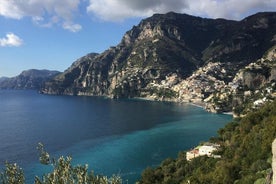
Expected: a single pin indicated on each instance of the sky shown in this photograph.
(52, 34)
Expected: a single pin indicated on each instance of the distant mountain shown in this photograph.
(172, 57)
(3, 78)
(29, 79)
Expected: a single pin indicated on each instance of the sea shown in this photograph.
(121, 137)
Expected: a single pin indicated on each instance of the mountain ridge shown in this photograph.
(27, 79)
(164, 50)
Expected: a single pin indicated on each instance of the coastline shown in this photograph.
(144, 98)
(229, 113)
(200, 105)
(193, 103)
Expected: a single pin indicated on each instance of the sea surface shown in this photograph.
(112, 136)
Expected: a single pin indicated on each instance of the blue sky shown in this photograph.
(52, 34)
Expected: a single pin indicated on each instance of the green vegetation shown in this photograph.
(63, 172)
(162, 92)
(245, 150)
(12, 174)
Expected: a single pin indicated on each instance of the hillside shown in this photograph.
(28, 79)
(175, 57)
(245, 149)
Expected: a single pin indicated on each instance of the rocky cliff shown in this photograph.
(274, 161)
(174, 57)
(252, 86)
(28, 79)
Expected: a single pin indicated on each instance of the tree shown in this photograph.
(12, 174)
(63, 172)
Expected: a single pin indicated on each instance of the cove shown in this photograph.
(112, 136)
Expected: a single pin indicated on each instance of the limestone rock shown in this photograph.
(274, 161)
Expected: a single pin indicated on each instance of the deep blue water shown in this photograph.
(112, 136)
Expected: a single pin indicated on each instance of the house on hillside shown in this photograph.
(205, 149)
(192, 154)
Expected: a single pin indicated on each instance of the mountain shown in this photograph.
(28, 79)
(174, 57)
(3, 78)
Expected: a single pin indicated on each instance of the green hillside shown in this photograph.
(245, 150)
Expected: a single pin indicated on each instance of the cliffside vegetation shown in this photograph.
(245, 150)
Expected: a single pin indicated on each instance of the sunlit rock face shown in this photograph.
(274, 161)
(175, 57)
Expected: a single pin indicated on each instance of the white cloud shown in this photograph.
(118, 10)
(230, 9)
(11, 40)
(47, 13)
(9, 9)
(72, 27)
(43, 12)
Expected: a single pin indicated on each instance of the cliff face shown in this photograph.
(252, 86)
(29, 79)
(158, 57)
(274, 161)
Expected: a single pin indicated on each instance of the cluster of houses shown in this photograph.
(201, 82)
(206, 149)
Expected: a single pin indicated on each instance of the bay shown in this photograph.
(112, 136)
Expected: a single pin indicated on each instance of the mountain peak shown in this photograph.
(165, 49)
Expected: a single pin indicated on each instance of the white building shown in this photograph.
(206, 150)
(192, 154)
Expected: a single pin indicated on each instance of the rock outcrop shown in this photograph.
(274, 161)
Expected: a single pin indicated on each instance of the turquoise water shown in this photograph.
(112, 136)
